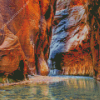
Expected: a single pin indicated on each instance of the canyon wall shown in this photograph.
(70, 50)
(25, 34)
(75, 44)
(25, 37)
(94, 23)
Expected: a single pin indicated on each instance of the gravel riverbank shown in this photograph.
(35, 80)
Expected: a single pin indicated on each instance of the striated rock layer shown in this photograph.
(94, 22)
(70, 46)
(25, 33)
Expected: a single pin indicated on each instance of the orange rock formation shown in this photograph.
(25, 32)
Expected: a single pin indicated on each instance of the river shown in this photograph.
(73, 88)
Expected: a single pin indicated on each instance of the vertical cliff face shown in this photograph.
(25, 36)
(70, 45)
(94, 22)
(25, 33)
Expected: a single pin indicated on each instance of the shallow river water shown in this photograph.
(73, 88)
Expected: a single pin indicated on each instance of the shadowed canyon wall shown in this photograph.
(74, 50)
(25, 34)
(94, 23)
(70, 45)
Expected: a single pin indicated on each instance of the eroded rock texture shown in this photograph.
(70, 46)
(94, 22)
(25, 33)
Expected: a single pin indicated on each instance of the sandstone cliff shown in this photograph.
(25, 33)
(25, 37)
(70, 46)
(94, 23)
(75, 45)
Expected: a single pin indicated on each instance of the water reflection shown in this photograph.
(71, 89)
(76, 89)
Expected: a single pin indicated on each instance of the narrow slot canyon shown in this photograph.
(56, 37)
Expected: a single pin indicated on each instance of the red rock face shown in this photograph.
(70, 45)
(94, 22)
(25, 34)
